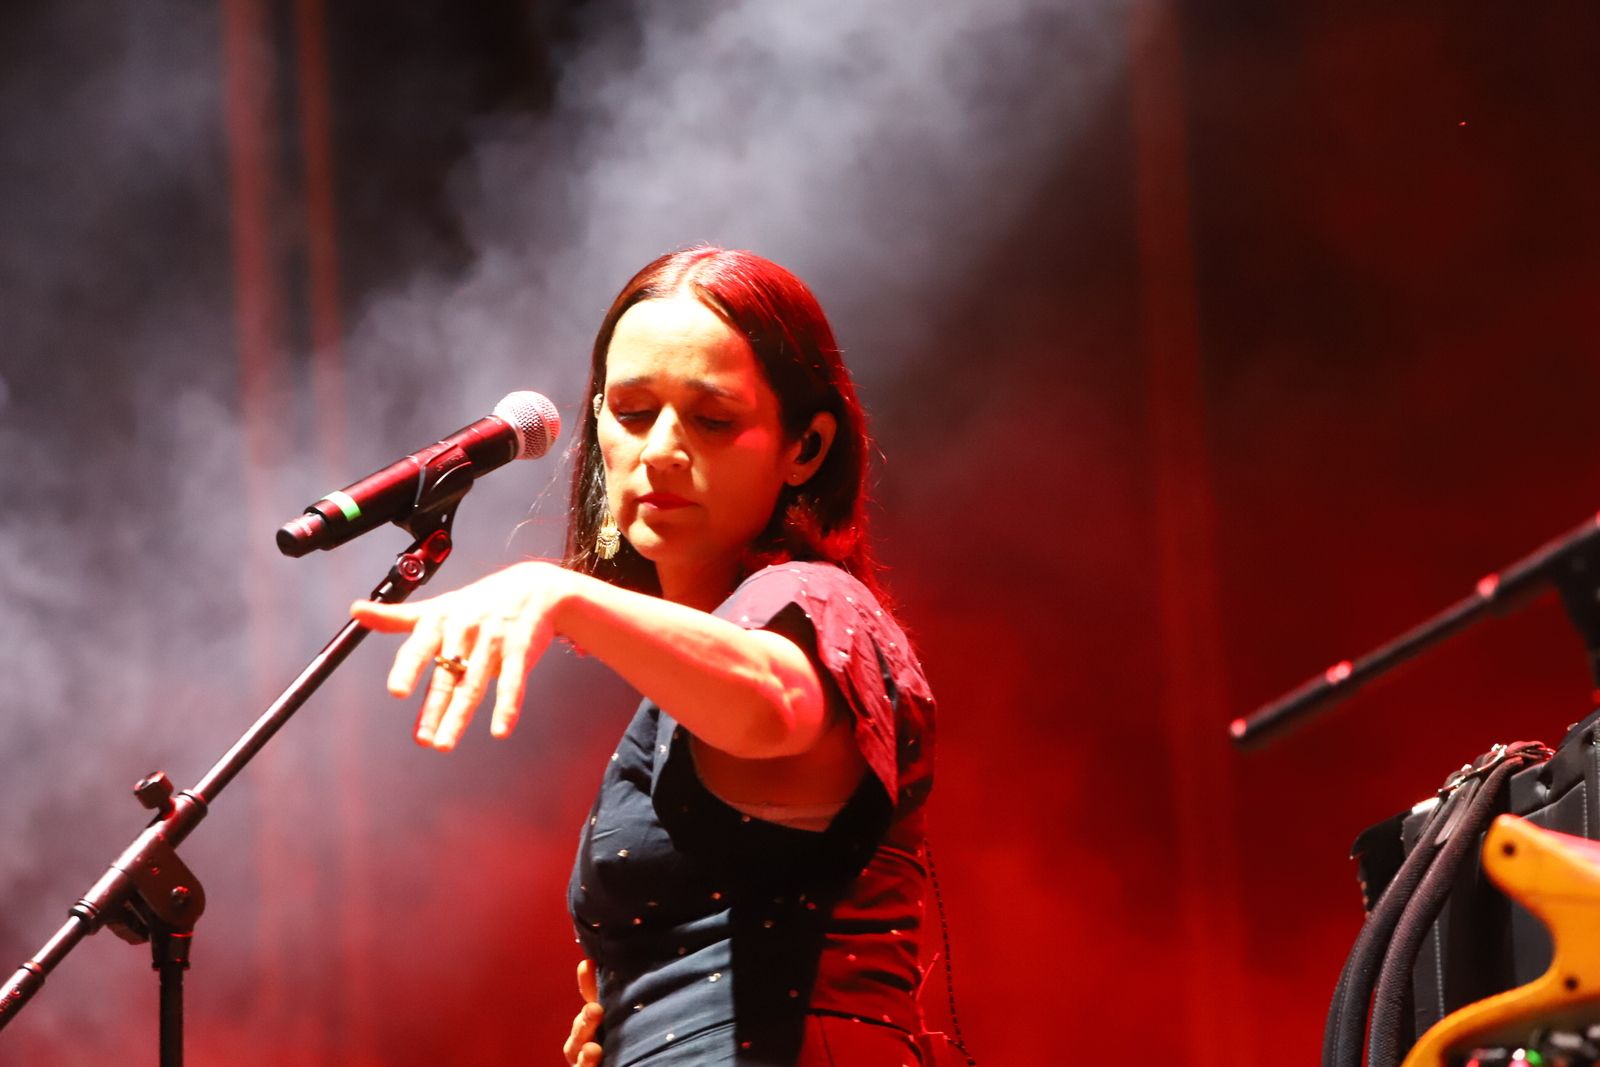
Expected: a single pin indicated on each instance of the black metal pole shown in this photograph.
(147, 892)
(1570, 563)
(170, 957)
(171, 1015)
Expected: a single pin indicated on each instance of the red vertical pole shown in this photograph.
(248, 73)
(357, 1045)
(1194, 699)
(322, 247)
(257, 302)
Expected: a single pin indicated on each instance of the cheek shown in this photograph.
(614, 461)
(754, 487)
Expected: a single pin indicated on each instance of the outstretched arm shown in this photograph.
(752, 694)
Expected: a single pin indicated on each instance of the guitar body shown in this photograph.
(1557, 878)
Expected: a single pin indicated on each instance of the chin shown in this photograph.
(672, 548)
(651, 544)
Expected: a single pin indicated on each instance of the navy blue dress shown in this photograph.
(715, 934)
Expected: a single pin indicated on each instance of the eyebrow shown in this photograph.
(699, 385)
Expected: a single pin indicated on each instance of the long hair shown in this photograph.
(824, 519)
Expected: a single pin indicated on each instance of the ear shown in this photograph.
(807, 454)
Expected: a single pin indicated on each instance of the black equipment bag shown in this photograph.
(1439, 935)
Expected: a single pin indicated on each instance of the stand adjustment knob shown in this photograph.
(154, 791)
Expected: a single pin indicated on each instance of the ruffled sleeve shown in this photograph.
(865, 654)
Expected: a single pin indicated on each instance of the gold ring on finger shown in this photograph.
(454, 666)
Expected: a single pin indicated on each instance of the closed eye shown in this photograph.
(644, 416)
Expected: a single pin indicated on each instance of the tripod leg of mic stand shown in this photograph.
(169, 956)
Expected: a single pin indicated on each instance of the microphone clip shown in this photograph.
(431, 522)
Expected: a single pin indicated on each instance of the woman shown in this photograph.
(749, 882)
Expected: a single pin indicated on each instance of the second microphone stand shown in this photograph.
(1570, 563)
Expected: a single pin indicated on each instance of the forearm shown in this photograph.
(750, 693)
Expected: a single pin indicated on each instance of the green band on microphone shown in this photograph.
(347, 504)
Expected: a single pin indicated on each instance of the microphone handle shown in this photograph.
(396, 491)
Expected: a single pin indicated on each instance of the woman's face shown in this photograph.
(692, 440)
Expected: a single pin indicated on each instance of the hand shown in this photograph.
(498, 626)
(581, 1049)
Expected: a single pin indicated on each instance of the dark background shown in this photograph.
(1206, 344)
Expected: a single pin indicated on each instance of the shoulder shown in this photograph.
(820, 590)
(847, 619)
(861, 647)
(795, 580)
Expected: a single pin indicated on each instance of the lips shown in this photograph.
(664, 501)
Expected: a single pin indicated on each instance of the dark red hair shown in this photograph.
(824, 519)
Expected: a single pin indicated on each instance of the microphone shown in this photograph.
(523, 426)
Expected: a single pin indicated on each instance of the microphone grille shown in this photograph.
(534, 418)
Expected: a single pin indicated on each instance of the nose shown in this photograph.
(664, 445)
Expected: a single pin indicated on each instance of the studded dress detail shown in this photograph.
(716, 934)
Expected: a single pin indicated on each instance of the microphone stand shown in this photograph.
(1571, 563)
(148, 894)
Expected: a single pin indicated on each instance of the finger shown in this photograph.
(414, 655)
(524, 647)
(457, 631)
(586, 982)
(513, 681)
(573, 1045)
(469, 689)
(589, 1055)
(434, 701)
(584, 1025)
(387, 618)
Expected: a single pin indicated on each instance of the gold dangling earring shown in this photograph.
(609, 539)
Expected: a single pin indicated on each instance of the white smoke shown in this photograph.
(876, 149)
(879, 150)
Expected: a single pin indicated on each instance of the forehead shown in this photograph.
(678, 341)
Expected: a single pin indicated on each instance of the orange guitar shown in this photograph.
(1557, 878)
